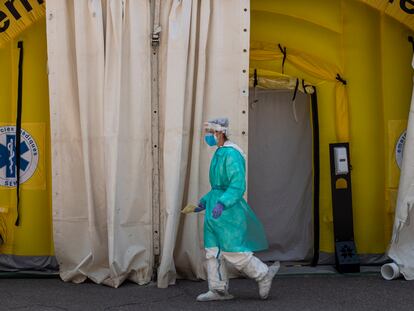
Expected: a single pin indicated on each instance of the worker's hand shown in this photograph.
(188, 209)
(201, 207)
(218, 209)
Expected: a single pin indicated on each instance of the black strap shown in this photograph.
(18, 129)
(340, 79)
(255, 80)
(411, 40)
(283, 50)
(316, 174)
(296, 89)
(304, 86)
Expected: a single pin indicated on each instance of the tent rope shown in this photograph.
(340, 79)
(283, 50)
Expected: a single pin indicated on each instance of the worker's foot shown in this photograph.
(266, 283)
(213, 295)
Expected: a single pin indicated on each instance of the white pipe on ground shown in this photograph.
(390, 271)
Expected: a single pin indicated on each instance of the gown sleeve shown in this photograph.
(204, 199)
(236, 172)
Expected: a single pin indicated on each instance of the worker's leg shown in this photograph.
(255, 269)
(218, 281)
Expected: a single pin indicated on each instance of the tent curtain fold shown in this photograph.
(98, 67)
(184, 75)
(194, 55)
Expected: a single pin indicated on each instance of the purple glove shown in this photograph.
(218, 209)
(201, 207)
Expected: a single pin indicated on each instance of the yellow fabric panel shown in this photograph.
(380, 5)
(34, 235)
(396, 53)
(327, 124)
(363, 72)
(325, 13)
(6, 99)
(271, 28)
(312, 66)
(397, 9)
(16, 16)
(341, 112)
(308, 63)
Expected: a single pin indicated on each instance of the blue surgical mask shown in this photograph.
(210, 140)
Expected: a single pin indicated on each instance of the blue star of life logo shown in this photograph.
(29, 155)
(399, 149)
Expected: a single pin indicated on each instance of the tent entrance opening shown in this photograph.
(280, 177)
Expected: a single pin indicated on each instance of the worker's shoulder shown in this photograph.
(231, 152)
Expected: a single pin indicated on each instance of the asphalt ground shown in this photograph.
(298, 292)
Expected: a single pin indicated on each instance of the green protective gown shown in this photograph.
(237, 229)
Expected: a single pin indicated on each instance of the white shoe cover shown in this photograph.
(265, 284)
(213, 295)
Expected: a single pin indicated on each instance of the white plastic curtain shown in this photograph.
(204, 74)
(100, 83)
(402, 244)
(99, 80)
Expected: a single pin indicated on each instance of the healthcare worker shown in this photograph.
(231, 229)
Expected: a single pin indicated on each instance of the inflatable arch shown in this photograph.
(325, 43)
(328, 44)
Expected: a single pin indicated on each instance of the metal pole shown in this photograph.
(155, 42)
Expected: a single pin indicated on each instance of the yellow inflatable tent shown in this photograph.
(25, 244)
(366, 43)
(324, 43)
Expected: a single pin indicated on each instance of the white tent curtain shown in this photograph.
(99, 69)
(402, 244)
(99, 75)
(204, 74)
